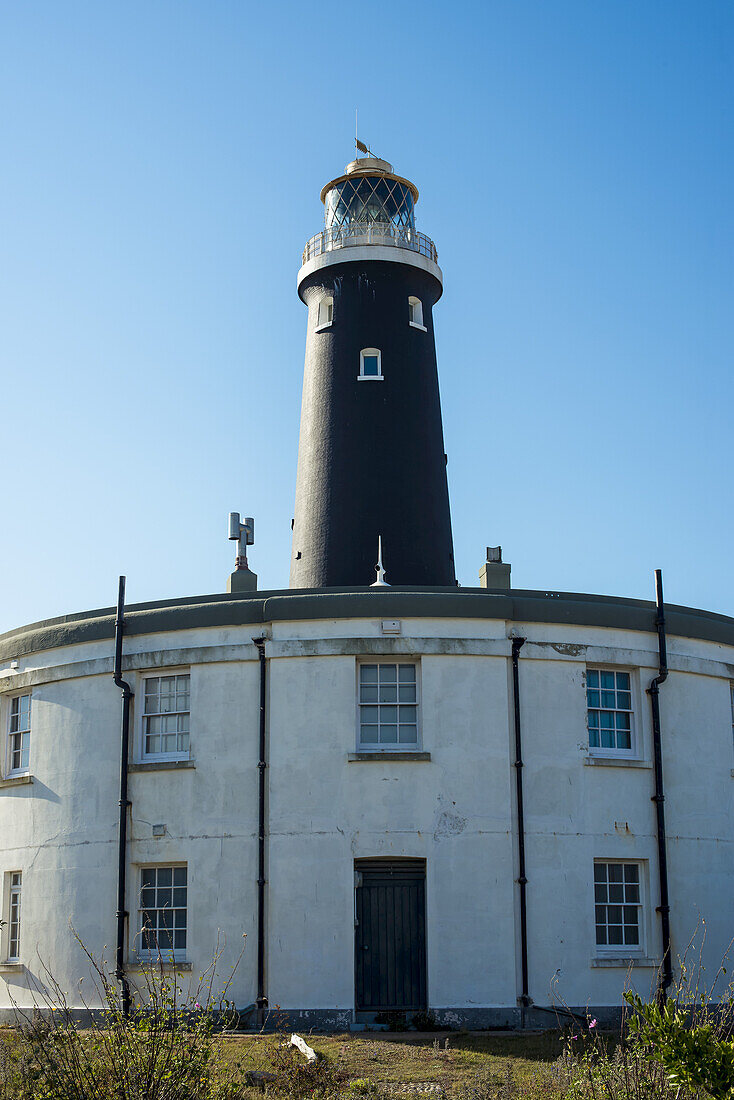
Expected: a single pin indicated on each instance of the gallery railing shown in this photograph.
(372, 233)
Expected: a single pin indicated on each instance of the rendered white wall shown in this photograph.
(457, 810)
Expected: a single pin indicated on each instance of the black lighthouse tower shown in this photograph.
(371, 459)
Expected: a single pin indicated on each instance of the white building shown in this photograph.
(446, 800)
(393, 721)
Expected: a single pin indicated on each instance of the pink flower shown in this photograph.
(574, 1036)
(197, 1005)
(592, 1024)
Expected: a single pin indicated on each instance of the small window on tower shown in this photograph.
(326, 312)
(415, 313)
(370, 365)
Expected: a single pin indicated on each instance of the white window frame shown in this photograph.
(634, 751)
(144, 757)
(415, 313)
(148, 953)
(622, 950)
(325, 312)
(382, 746)
(13, 915)
(22, 769)
(362, 377)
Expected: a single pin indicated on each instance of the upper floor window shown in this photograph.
(609, 703)
(370, 365)
(19, 734)
(415, 313)
(166, 711)
(162, 911)
(618, 905)
(326, 312)
(13, 915)
(388, 705)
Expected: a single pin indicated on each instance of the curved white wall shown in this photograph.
(456, 810)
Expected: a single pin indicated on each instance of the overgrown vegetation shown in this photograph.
(178, 1047)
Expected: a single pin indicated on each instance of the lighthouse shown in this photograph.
(371, 459)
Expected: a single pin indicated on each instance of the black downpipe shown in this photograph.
(517, 644)
(659, 796)
(124, 803)
(261, 1000)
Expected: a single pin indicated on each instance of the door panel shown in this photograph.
(390, 935)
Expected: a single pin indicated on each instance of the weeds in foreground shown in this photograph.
(678, 1047)
(162, 1050)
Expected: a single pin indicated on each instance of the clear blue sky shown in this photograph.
(162, 167)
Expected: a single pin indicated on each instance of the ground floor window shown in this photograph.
(14, 917)
(162, 911)
(618, 904)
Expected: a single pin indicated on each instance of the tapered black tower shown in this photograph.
(371, 456)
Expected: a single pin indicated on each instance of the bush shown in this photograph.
(396, 1021)
(162, 1050)
(691, 1051)
(425, 1021)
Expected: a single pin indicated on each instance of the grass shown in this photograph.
(419, 1059)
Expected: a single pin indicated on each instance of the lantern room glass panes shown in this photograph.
(388, 705)
(609, 703)
(162, 911)
(617, 904)
(369, 201)
(166, 715)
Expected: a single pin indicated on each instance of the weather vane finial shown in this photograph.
(380, 582)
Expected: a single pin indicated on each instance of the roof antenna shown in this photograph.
(243, 579)
(380, 582)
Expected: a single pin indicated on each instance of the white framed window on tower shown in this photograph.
(618, 907)
(415, 313)
(163, 912)
(370, 365)
(610, 712)
(388, 705)
(325, 314)
(165, 731)
(19, 735)
(13, 881)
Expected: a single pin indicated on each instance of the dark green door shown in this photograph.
(390, 934)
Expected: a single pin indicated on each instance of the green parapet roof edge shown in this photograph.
(232, 609)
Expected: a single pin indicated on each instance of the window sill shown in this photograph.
(384, 757)
(168, 967)
(16, 780)
(370, 377)
(162, 766)
(615, 762)
(324, 327)
(12, 968)
(625, 962)
(414, 324)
